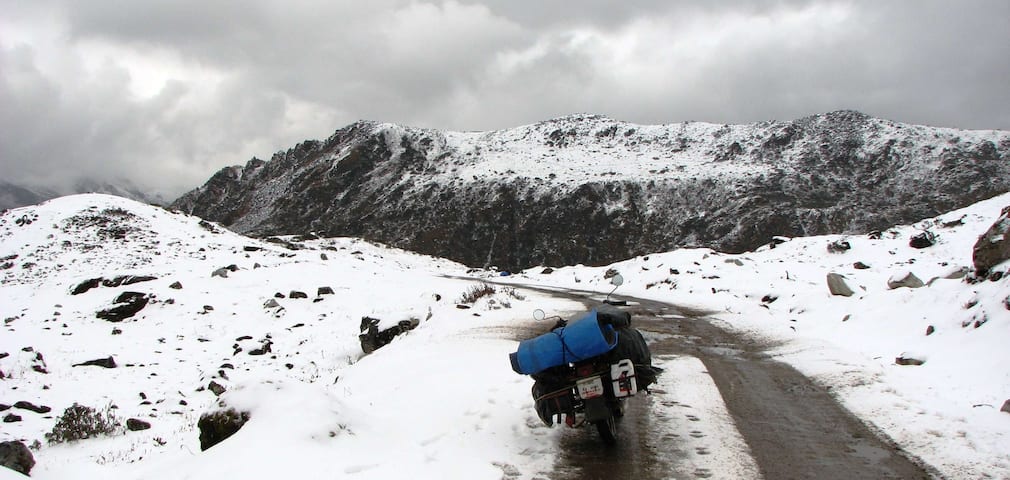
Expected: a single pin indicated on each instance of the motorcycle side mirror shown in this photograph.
(617, 280)
(539, 315)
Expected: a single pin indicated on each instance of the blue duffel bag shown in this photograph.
(581, 339)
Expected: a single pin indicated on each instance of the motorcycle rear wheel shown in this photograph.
(608, 430)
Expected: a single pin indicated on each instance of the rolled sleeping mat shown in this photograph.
(581, 339)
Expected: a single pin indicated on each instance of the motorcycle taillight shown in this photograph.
(584, 371)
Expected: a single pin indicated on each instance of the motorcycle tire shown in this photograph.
(608, 430)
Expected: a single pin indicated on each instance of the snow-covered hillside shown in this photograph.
(442, 401)
(311, 396)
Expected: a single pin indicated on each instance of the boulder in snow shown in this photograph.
(1005, 407)
(372, 338)
(839, 246)
(904, 279)
(216, 388)
(217, 426)
(16, 456)
(907, 360)
(23, 405)
(837, 285)
(993, 247)
(107, 362)
(136, 424)
(924, 239)
(127, 305)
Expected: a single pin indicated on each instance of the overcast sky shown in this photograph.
(166, 92)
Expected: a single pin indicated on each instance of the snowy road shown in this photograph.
(724, 409)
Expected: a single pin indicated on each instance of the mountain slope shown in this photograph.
(588, 189)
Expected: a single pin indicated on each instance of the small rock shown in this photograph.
(908, 361)
(957, 274)
(1005, 407)
(16, 456)
(837, 285)
(929, 330)
(839, 246)
(323, 257)
(995, 276)
(324, 291)
(547, 271)
(770, 298)
(176, 286)
(904, 279)
(296, 294)
(271, 303)
(925, 239)
(136, 425)
(32, 407)
(12, 418)
(216, 388)
(107, 362)
(860, 266)
(221, 272)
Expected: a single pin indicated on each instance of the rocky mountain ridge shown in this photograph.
(592, 190)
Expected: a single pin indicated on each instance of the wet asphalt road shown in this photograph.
(794, 428)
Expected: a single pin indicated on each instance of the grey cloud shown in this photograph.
(286, 71)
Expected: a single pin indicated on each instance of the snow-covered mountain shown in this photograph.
(588, 189)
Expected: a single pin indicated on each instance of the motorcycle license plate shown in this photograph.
(591, 387)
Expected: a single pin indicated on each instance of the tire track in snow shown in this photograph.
(690, 417)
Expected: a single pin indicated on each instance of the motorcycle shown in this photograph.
(584, 371)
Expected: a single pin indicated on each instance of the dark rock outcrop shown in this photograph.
(16, 456)
(217, 426)
(448, 195)
(127, 305)
(110, 282)
(372, 338)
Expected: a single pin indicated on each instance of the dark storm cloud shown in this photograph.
(166, 92)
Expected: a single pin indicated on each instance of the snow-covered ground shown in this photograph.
(947, 410)
(442, 401)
